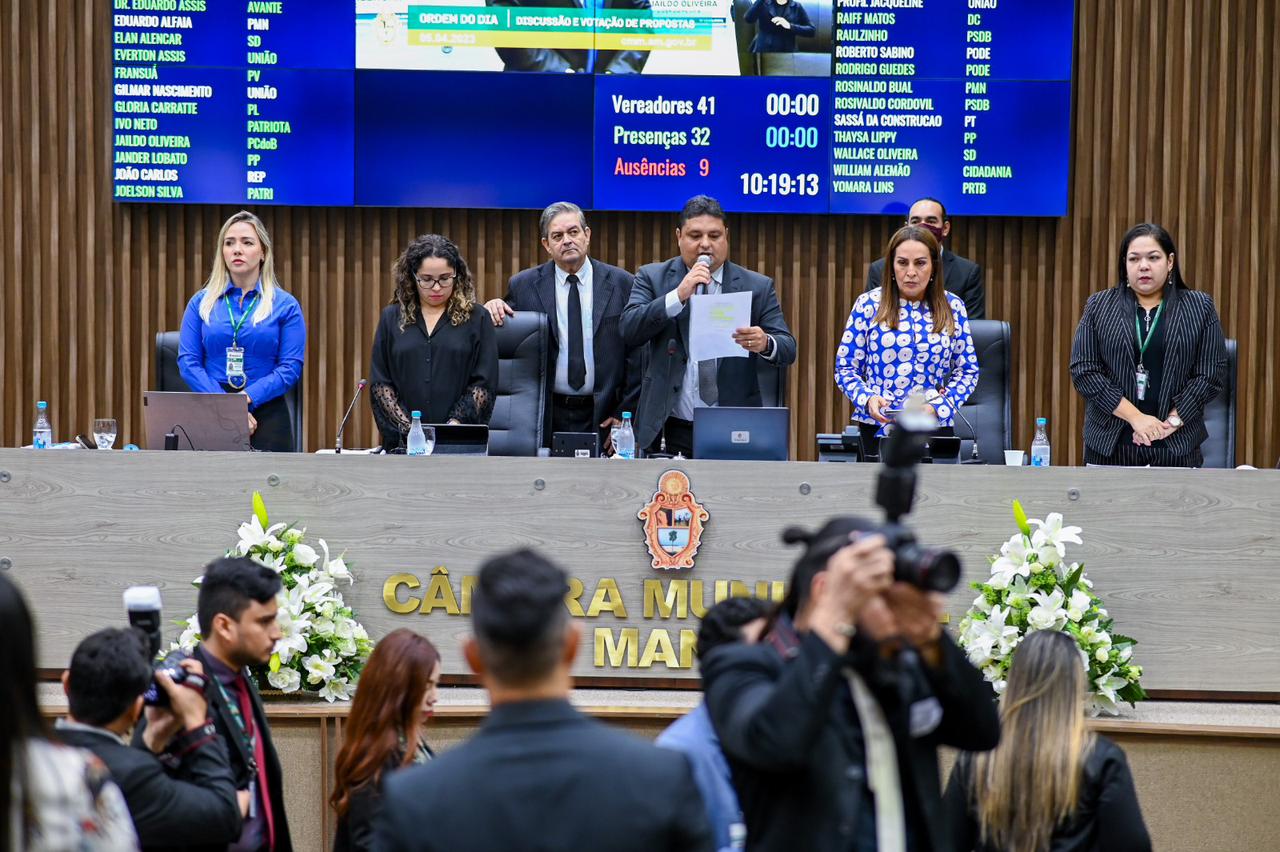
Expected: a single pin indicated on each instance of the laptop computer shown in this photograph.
(202, 421)
(741, 434)
(461, 439)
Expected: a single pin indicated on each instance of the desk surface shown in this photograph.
(1184, 560)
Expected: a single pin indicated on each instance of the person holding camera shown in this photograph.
(180, 785)
(832, 721)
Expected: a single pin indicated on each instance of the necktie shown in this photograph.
(577, 355)
(708, 388)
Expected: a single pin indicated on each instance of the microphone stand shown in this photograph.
(337, 448)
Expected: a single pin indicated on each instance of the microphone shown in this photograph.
(974, 458)
(337, 448)
(704, 259)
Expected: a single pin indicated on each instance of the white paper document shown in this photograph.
(712, 321)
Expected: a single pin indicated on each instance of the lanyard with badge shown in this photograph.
(235, 352)
(1142, 376)
(251, 743)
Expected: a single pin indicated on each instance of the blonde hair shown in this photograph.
(1030, 783)
(219, 275)
(935, 293)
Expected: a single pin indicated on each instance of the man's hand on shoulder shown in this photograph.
(498, 310)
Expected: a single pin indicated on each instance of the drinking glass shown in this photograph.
(104, 433)
(429, 432)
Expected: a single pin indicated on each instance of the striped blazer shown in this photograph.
(1104, 365)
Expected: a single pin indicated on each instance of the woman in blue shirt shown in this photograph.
(243, 334)
(908, 335)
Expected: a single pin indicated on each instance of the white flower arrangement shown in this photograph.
(322, 648)
(1033, 587)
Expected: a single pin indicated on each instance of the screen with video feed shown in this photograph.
(801, 106)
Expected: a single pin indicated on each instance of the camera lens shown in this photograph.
(931, 569)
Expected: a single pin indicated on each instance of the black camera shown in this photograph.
(931, 569)
(142, 603)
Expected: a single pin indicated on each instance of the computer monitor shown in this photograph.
(202, 421)
(461, 439)
(741, 434)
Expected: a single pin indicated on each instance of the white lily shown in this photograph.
(1052, 532)
(320, 668)
(304, 555)
(336, 690)
(1078, 605)
(990, 638)
(253, 535)
(1048, 613)
(1019, 592)
(285, 679)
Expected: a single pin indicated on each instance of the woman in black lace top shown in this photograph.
(434, 350)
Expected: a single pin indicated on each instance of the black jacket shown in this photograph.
(959, 275)
(796, 749)
(356, 827)
(772, 38)
(541, 776)
(1108, 818)
(196, 799)
(617, 366)
(239, 755)
(1104, 365)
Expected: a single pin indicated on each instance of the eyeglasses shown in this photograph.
(428, 282)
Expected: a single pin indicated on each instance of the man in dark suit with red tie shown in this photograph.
(592, 377)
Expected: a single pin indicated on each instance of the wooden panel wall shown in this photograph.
(1175, 111)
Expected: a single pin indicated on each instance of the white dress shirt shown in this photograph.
(561, 384)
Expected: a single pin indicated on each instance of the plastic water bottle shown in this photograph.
(626, 440)
(42, 432)
(417, 438)
(1040, 444)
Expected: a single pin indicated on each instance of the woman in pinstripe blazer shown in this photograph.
(1148, 354)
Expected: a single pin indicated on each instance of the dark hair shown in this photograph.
(20, 718)
(1161, 236)
(405, 271)
(700, 205)
(228, 586)
(929, 198)
(935, 294)
(387, 707)
(820, 546)
(722, 625)
(108, 671)
(518, 615)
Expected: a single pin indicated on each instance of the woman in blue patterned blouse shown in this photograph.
(908, 335)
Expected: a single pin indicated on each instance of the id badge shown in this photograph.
(235, 366)
(253, 799)
(1143, 378)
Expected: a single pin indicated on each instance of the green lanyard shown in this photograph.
(236, 325)
(250, 740)
(1143, 341)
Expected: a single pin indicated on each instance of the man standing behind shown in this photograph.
(196, 796)
(539, 775)
(959, 274)
(237, 608)
(591, 376)
(658, 316)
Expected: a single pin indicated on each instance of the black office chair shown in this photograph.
(515, 429)
(168, 378)
(1219, 448)
(990, 406)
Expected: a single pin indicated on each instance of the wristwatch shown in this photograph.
(1175, 421)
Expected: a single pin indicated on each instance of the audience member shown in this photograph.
(1147, 357)
(592, 376)
(396, 694)
(1051, 784)
(180, 786)
(963, 277)
(831, 723)
(243, 334)
(236, 608)
(907, 336)
(433, 350)
(657, 317)
(53, 797)
(731, 620)
(539, 774)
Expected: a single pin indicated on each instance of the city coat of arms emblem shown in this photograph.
(673, 523)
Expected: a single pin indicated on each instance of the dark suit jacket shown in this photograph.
(959, 274)
(541, 776)
(645, 321)
(617, 387)
(560, 61)
(1104, 364)
(796, 750)
(196, 801)
(239, 754)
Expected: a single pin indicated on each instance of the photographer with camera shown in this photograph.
(831, 723)
(179, 786)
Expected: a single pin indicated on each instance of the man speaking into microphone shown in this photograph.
(657, 316)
